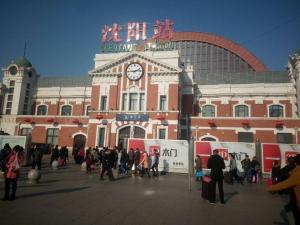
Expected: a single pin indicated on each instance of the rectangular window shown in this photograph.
(9, 97)
(52, 136)
(133, 101)
(27, 85)
(8, 105)
(103, 102)
(163, 102)
(7, 111)
(27, 92)
(12, 83)
(124, 102)
(142, 101)
(25, 131)
(11, 90)
(162, 133)
(285, 138)
(245, 137)
(101, 137)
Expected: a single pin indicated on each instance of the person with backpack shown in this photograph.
(12, 171)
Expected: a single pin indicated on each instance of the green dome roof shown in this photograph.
(22, 62)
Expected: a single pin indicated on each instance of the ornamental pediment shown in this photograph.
(152, 65)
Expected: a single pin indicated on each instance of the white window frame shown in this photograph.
(249, 110)
(36, 109)
(216, 111)
(159, 103)
(283, 109)
(63, 106)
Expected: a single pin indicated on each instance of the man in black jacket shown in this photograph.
(216, 164)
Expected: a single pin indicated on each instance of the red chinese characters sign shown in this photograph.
(162, 30)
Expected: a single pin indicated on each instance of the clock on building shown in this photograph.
(134, 71)
(13, 70)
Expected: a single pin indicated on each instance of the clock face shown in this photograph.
(134, 71)
(13, 70)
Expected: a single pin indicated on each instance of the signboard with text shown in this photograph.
(123, 38)
(173, 153)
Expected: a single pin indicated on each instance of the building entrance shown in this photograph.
(129, 132)
(79, 142)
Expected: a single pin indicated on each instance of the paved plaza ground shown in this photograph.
(70, 196)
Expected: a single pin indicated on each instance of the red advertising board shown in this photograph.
(204, 150)
(223, 152)
(270, 153)
(136, 143)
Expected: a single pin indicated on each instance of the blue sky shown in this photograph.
(63, 36)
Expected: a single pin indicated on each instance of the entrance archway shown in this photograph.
(129, 132)
(79, 141)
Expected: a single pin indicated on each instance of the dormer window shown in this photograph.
(13, 70)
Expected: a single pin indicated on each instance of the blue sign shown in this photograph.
(132, 117)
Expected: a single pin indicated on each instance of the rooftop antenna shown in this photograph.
(25, 45)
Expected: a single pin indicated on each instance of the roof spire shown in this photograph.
(24, 53)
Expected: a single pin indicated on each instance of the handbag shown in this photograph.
(206, 179)
(199, 173)
(15, 163)
(133, 167)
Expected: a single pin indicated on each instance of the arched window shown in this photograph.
(88, 110)
(275, 111)
(208, 111)
(41, 110)
(241, 111)
(66, 110)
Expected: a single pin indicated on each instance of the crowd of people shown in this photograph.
(132, 162)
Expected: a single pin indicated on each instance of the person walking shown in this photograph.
(12, 171)
(130, 159)
(54, 154)
(246, 164)
(155, 162)
(107, 164)
(233, 169)
(216, 164)
(5, 151)
(145, 164)
(198, 168)
(293, 181)
(37, 156)
(136, 157)
(254, 170)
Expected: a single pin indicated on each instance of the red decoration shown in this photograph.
(75, 121)
(161, 117)
(211, 123)
(50, 120)
(245, 123)
(279, 124)
(27, 120)
(99, 117)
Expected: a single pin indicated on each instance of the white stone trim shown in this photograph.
(79, 133)
(208, 136)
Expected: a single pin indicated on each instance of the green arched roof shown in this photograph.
(22, 62)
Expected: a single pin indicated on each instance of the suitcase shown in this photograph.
(205, 188)
(227, 178)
